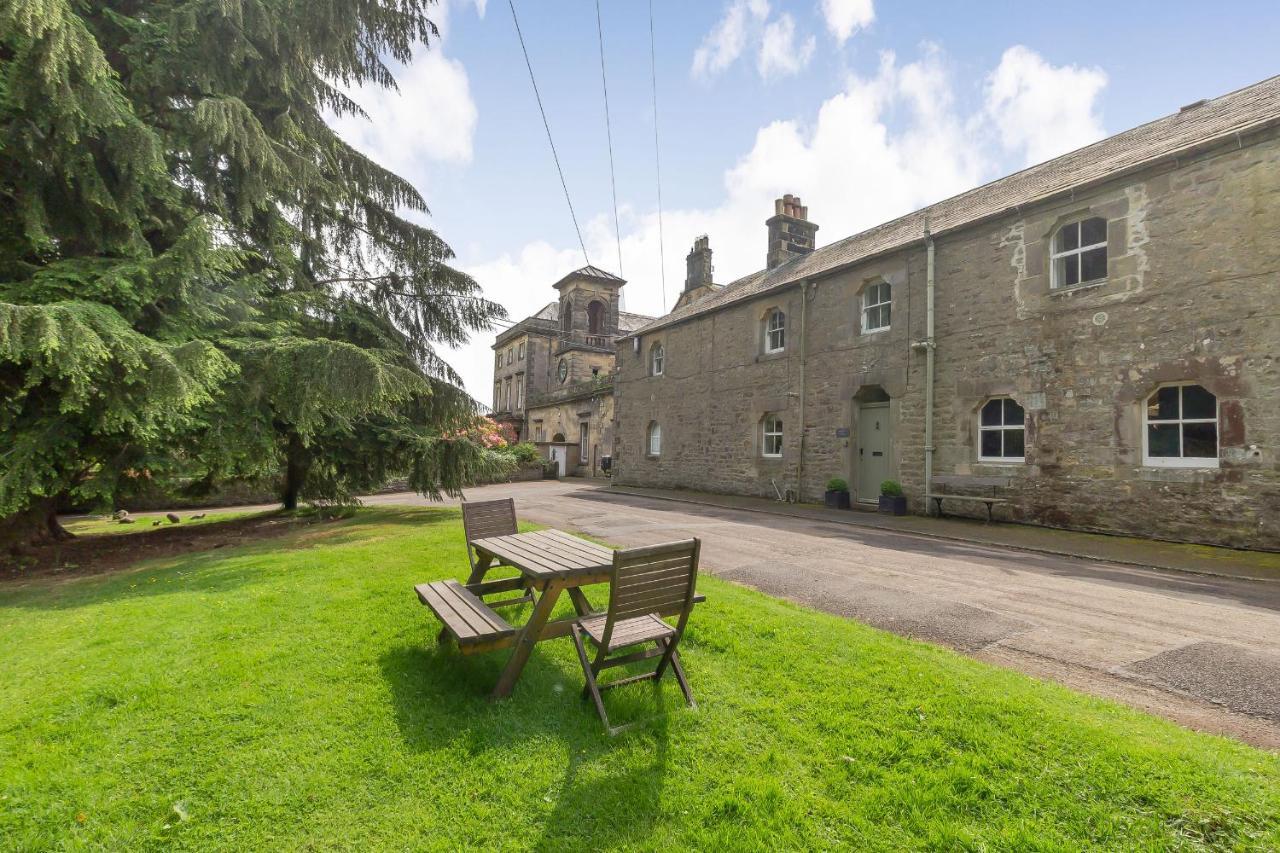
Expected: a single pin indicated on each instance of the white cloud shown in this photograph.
(844, 17)
(1043, 110)
(779, 54)
(886, 144)
(431, 118)
(722, 46)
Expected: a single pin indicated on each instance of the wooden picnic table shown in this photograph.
(550, 562)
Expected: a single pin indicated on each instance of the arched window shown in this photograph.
(1079, 253)
(595, 318)
(877, 302)
(1180, 427)
(775, 331)
(653, 439)
(1002, 431)
(566, 316)
(657, 357)
(771, 436)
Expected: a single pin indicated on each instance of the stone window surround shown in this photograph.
(768, 329)
(651, 432)
(860, 300)
(1184, 462)
(1034, 288)
(521, 356)
(999, 460)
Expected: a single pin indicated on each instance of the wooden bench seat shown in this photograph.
(475, 626)
(989, 501)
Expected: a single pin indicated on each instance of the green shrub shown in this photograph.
(837, 484)
(526, 452)
(891, 488)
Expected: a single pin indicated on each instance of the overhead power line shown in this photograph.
(608, 130)
(546, 124)
(657, 159)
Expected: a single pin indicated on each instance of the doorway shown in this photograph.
(560, 455)
(872, 460)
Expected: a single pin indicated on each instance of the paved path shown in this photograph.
(1204, 651)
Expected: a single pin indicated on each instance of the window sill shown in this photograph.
(1006, 462)
(771, 356)
(1176, 463)
(1076, 288)
(878, 331)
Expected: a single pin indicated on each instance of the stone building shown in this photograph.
(553, 371)
(1095, 339)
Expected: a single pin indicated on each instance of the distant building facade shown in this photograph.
(1095, 339)
(553, 371)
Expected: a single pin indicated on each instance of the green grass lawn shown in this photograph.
(290, 694)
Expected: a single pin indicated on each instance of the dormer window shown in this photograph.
(656, 359)
(1079, 253)
(775, 331)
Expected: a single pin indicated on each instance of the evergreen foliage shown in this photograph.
(196, 270)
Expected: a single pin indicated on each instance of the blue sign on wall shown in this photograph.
(842, 432)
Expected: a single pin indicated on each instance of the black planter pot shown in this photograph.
(893, 504)
(836, 500)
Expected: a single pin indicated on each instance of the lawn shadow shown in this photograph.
(598, 809)
(441, 699)
(223, 567)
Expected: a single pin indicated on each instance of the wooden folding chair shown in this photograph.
(644, 581)
(480, 520)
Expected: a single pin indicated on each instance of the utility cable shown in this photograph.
(608, 130)
(546, 124)
(657, 159)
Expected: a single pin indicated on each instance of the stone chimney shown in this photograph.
(791, 234)
(698, 264)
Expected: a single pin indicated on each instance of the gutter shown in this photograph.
(804, 345)
(929, 345)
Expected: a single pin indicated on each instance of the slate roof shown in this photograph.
(1195, 126)
(630, 322)
(591, 272)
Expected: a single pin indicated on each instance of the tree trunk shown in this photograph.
(297, 461)
(35, 526)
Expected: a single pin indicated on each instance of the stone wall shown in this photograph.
(1192, 294)
(563, 412)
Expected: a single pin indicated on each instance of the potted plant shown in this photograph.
(837, 494)
(891, 498)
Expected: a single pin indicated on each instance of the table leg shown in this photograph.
(579, 600)
(529, 635)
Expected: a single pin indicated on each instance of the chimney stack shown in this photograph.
(791, 234)
(698, 264)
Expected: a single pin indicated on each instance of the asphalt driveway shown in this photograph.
(1204, 651)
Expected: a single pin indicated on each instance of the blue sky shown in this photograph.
(864, 109)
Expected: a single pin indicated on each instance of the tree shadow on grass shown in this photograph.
(606, 794)
(219, 569)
